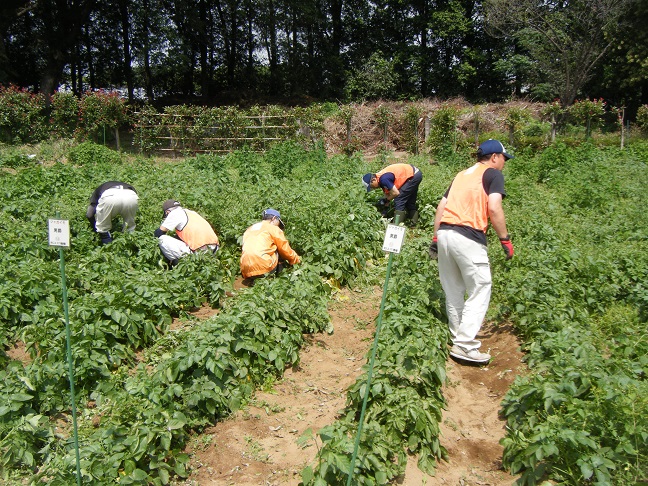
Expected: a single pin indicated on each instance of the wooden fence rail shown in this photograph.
(181, 134)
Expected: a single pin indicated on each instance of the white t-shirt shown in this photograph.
(176, 219)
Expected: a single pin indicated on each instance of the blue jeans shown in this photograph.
(406, 200)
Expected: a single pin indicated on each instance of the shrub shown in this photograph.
(411, 135)
(443, 129)
(65, 113)
(588, 112)
(101, 110)
(91, 153)
(516, 118)
(20, 116)
(642, 118)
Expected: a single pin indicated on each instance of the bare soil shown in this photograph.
(272, 439)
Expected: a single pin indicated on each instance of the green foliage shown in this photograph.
(122, 299)
(374, 79)
(443, 130)
(515, 120)
(579, 301)
(411, 136)
(21, 120)
(65, 113)
(642, 118)
(553, 111)
(89, 153)
(578, 298)
(588, 112)
(14, 158)
(100, 110)
(404, 404)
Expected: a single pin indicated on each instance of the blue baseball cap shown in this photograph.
(273, 213)
(491, 146)
(366, 180)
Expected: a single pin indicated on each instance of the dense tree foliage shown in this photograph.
(233, 50)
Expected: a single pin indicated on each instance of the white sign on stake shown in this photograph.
(394, 238)
(59, 232)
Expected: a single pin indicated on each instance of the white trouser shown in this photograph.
(464, 269)
(173, 248)
(116, 202)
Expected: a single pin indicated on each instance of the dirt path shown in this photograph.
(270, 441)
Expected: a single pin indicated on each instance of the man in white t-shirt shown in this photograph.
(192, 232)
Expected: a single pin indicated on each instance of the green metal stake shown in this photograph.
(69, 359)
(371, 364)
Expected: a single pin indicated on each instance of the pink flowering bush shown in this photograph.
(21, 118)
(101, 110)
(65, 114)
(588, 112)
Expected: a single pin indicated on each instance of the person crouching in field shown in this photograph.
(192, 233)
(399, 183)
(109, 200)
(264, 248)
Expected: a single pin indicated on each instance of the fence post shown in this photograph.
(426, 125)
(622, 127)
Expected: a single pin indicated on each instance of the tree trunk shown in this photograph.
(203, 46)
(148, 78)
(91, 69)
(128, 62)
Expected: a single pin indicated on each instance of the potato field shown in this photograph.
(576, 293)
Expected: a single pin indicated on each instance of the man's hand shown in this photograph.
(507, 246)
(383, 202)
(434, 249)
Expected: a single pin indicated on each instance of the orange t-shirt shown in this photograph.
(263, 244)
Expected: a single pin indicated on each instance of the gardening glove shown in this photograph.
(507, 246)
(434, 249)
(383, 202)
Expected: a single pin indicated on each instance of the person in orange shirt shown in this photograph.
(400, 183)
(193, 232)
(459, 242)
(264, 248)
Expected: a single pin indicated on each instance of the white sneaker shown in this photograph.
(472, 355)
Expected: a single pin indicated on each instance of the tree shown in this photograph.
(60, 24)
(9, 11)
(622, 76)
(565, 39)
(374, 80)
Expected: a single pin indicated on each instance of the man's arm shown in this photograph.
(496, 214)
(439, 214)
(393, 193)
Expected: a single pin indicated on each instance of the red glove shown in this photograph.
(507, 246)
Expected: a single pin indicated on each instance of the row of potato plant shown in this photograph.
(122, 300)
(577, 292)
(405, 403)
